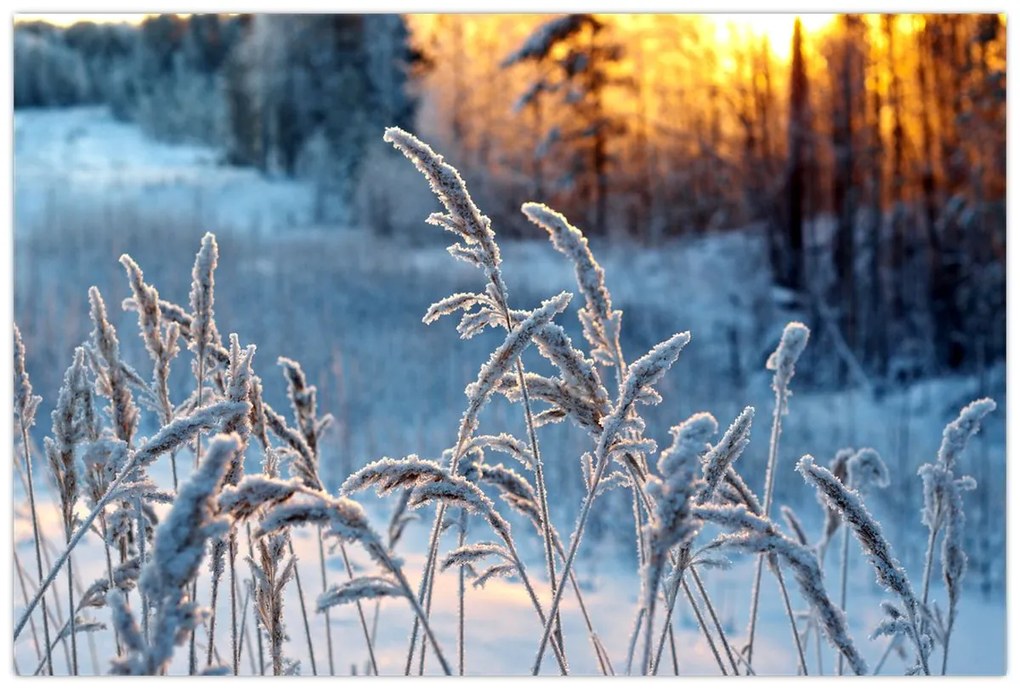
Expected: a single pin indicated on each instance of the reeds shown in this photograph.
(100, 457)
(25, 405)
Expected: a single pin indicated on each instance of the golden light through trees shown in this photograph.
(777, 28)
(686, 86)
(685, 123)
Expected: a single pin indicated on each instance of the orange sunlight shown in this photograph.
(776, 27)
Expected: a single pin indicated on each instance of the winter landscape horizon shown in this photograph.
(710, 380)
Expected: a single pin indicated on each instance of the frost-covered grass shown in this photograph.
(356, 305)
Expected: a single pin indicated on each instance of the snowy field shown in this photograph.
(348, 306)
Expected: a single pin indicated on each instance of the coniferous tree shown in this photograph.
(797, 139)
(580, 53)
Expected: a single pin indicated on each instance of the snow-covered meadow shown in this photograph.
(348, 306)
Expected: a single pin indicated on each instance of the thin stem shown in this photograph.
(755, 593)
(234, 645)
(109, 573)
(844, 567)
(743, 660)
(141, 564)
(547, 622)
(818, 645)
(38, 549)
(329, 631)
(917, 643)
(929, 560)
(20, 570)
(671, 599)
(945, 649)
(301, 601)
(246, 638)
(575, 542)
(192, 649)
(402, 581)
(361, 614)
(423, 586)
(71, 611)
(642, 563)
(192, 652)
(670, 596)
(792, 618)
(653, 598)
(168, 415)
(701, 624)
(62, 636)
(255, 617)
(424, 643)
(49, 652)
(173, 469)
(600, 653)
(429, 588)
(56, 622)
(213, 601)
(672, 652)
(276, 633)
(639, 535)
(462, 525)
(543, 502)
(633, 638)
(777, 413)
(715, 618)
(375, 620)
(258, 630)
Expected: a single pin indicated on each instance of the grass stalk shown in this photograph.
(71, 610)
(141, 561)
(20, 570)
(27, 455)
(461, 537)
(255, 617)
(575, 542)
(235, 646)
(361, 615)
(304, 608)
(792, 618)
(844, 567)
(192, 652)
(109, 573)
(325, 585)
(715, 618)
(543, 501)
(769, 477)
(245, 638)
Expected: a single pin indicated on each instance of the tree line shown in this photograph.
(871, 162)
(294, 95)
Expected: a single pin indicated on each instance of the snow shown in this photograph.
(83, 155)
(348, 306)
(503, 630)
